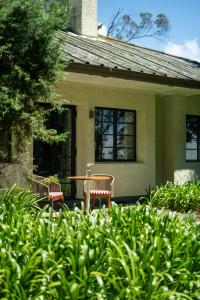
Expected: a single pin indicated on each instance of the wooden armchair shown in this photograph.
(99, 189)
(51, 191)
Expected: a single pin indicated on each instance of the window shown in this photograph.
(115, 134)
(192, 138)
(5, 146)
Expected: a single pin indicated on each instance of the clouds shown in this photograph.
(189, 49)
(103, 29)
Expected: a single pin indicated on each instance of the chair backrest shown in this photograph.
(37, 178)
(105, 185)
(37, 186)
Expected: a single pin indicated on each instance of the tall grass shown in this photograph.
(132, 253)
(182, 198)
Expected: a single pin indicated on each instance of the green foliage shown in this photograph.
(132, 253)
(50, 179)
(30, 59)
(177, 197)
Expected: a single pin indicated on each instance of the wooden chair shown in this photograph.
(99, 189)
(51, 191)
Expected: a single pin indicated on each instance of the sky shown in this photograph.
(184, 15)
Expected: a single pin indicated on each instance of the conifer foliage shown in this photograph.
(30, 60)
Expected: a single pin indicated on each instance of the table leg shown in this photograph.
(87, 197)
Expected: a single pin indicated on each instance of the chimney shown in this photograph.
(84, 17)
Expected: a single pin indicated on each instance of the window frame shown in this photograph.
(198, 139)
(115, 123)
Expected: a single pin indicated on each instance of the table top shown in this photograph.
(89, 178)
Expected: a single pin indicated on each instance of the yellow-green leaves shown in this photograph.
(177, 197)
(130, 253)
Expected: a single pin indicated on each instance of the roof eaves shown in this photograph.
(131, 75)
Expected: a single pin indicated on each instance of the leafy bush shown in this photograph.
(131, 253)
(51, 179)
(177, 197)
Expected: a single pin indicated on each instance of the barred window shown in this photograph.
(115, 134)
(192, 138)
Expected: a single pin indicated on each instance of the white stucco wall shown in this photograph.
(131, 178)
(171, 134)
(184, 106)
(160, 133)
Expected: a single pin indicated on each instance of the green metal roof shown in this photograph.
(107, 53)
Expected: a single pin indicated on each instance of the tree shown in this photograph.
(30, 61)
(126, 27)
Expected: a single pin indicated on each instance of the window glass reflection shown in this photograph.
(105, 115)
(192, 144)
(107, 153)
(191, 155)
(125, 117)
(114, 134)
(125, 141)
(126, 129)
(192, 138)
(125, 154)
(107, 141)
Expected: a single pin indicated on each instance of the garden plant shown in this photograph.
(181, 198)
(121, 253)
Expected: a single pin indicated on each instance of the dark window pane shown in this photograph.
(114, 133)
(98, 141)
(125, 116)
(104, 115)
(107, 128)
(98, 151)
(103, 140)
(107, 140)
(108, 115)
(192, 137)
(103, 128)
(192, 127)
(125, 141)
(191, 154)
(126, 129)
(98, 113)
(192, 144)
(125, 154)
(107, 153)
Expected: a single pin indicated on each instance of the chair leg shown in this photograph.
(62, 202)
(92, 201)
(52, 203)
(85, 202)
(108, 199)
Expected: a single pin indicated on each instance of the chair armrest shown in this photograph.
(39, 188)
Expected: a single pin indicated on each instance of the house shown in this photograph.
(134, 112)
